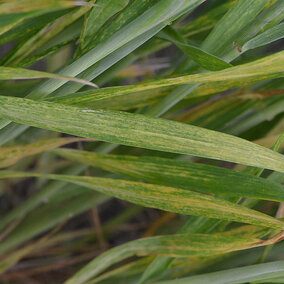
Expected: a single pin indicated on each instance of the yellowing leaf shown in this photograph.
(189, 176)
(139, 131)
(165, 198)
(183, 245)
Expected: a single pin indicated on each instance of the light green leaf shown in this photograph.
(9, 73)
(179, 245)
(139, 131)
(112, 99)
(244, 231)
(191, 176)
(165, 198)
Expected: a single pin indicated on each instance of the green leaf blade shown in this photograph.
(184, 175)
(164, 198)
(139, 131)
(265, 38)
(175, 246)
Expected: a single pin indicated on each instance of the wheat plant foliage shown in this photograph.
(171, 115)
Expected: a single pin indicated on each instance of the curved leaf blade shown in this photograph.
(10, 73)
(164, 198)
(189, 176)
(183, 245)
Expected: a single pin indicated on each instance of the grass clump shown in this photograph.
(141, 141)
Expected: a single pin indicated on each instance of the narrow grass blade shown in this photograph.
(183, 245)
(275, 12)
(165, 198)
(46, 34)
(11, 20)
(10, 73)
(13, 14)
(191, 176)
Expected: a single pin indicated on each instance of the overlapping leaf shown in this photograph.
(164, 198)
(192, 176)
